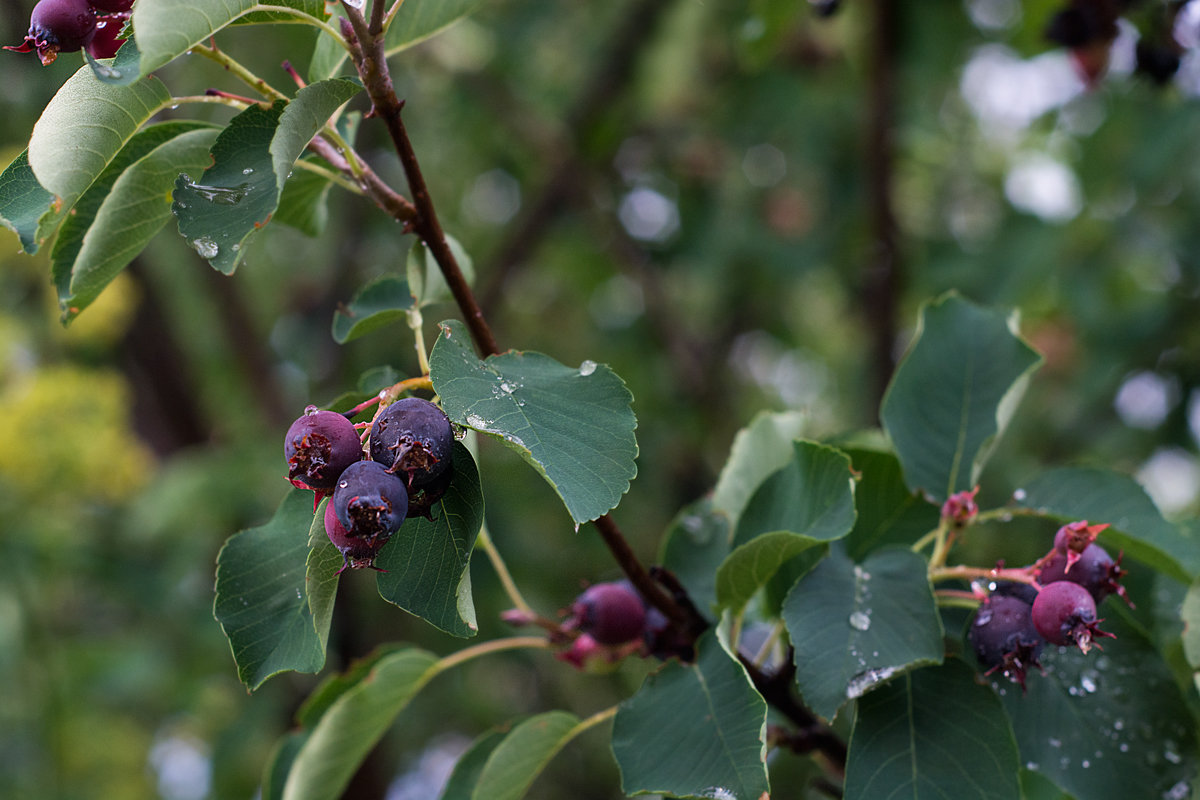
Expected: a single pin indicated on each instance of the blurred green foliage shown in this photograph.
(712, 247)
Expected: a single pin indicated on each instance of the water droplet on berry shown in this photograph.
(984, 616)
(860, 620)
(587, 367)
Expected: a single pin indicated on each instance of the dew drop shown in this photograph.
(248, 171)
(1124, 747)
(860, 620)
(1019, 495)
(1031, 766)
(477, 422)
(206, 247)
(1055, 742)
(587, 367)
(1087, 682)
(1085, 764)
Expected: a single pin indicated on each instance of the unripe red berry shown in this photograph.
(1065, 613)
(612, 613)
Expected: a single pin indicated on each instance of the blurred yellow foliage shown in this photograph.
(66, 434)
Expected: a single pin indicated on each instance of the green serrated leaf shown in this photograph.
(260, 599)
(696, 543)
(354, 723)
(574, 426)
(1099, 496)
(887, 512)
(933, 733)
(425, 277)
(759, 449)
(854, 627)
(235, 197)
(166, 29)
(693, 730)
(126, 206)
(1106, 725)
(513, 765)
(467, 769)
(954, 393)
(83, 127)
(23, 201)
(811, 495)
(428, 562)
(378, 304)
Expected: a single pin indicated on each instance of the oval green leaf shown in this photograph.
(376, 305)
(166, 29)
(954, 394)
(516, 761)
(759, 449)
(573, 425)
(261, 603)
(854, 627)
(23, 201)
(694, 730)
(934, 732)
(428, 562)
(354, 723)
(465, 776)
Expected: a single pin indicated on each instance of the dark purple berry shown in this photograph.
(357, 552)
(111, 6)
(612, 613)
(318, 447)
(1094, 570)
(58, 26)
(413, 438)
(421, 499)
(370, 502)
(1158, 62)
(1065, 613)
(1024, 592)
(1004, 638)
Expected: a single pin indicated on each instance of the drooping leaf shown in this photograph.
(954, 393)
(23, 201)
(252, 159)
(465, 776)
(888, 513)
(321, 576)
(378, 304)
(932, 733)
(82, 128)
(517, 760)
(354, 723)
(1100, 496)
(573, 425)
(425, 277)
(854, 627)
(166, 29)
(428, 562)
(809, 502)
(696, 543)
(235, 197)
(123, 210)
(694, 730)
(1109, 724)
(759, 449)
(261, 601)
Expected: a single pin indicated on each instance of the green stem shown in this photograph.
(416, 323)
(924, 541)
(306, 19)
(487, 648)
(763, 652)
(204, 98)
(593, 721)
(1004, 514)
(239, 71)
(484, 541)
(965, 573)
(330, 175)
(955, 601)
(391, 14)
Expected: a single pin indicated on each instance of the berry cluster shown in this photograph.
(409, 469)
(1017, 619)
(65, 26)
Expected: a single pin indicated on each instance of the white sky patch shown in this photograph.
(1145, 398)
(1172, 479)
(1007, 93)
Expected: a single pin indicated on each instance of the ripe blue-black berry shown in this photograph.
(1004, 638)
(58, 26)
(1065, 613)
(370, 502)
(318, 447)
(612, 613)
(413, 438)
